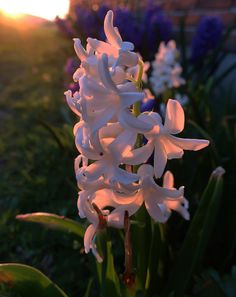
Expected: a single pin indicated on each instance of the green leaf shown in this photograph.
(156, 259)
(27, 281)
(111, 282)
(54, 221)
(141, 241)
(197, 236)
(52, 130)
(208, 284)
(89, 286)
(224, 74)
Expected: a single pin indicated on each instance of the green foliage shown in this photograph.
(54, 221)
(199, 231)
(25, 280)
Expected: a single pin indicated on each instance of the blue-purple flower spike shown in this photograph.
(207, 37)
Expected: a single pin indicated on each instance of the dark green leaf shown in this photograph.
(156, 258)
(88, 290)
(27, 281)
(197, 236)
(111, 283)
(54, 221)
(141, 237)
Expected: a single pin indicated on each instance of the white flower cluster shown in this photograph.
(166, 71)
(106, 137)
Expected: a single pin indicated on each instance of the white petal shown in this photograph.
(122, 144)
(189, 144)
(127, 87)
(167, 193)
(95, 142)
(102, 118)
(155, 210)
(80, 51)
(95, 252)
(128, 59)
(116, 218)
(172, 150)
(110, 32)
(91, 87)
(127, 46)
(127, 99)
(168, 180)
(128, 121)
(126, 199)
(139, 155)
(84, 147)
(160, 158)
(112, 130)
(78, 74)
(126, 189)
(174, 119)
(72, 103)
(105, 74)
(180, 206)
(146, 170)
(152, 118)
(83, 195)
(125, 177)
(89, 212)
(104, 198)
(118, 75)
(88, 237)
(78, 160)
(103, 47)
(95, 170)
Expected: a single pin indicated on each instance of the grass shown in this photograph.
(36, 172)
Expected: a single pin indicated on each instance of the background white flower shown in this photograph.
(166, 70)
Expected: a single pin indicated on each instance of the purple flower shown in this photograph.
(158, 28)
(87, 21)
(147, 105)
(101, 12)
(129, 26)
(207, 37)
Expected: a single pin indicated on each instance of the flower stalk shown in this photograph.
(128, 276)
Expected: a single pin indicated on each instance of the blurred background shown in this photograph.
(37, 149)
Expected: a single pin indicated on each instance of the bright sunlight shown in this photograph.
(47, 9)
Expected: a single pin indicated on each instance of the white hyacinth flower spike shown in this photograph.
(107, 137)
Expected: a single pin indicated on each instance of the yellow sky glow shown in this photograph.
(47, 9)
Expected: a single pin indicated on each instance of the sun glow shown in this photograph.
(47, 9)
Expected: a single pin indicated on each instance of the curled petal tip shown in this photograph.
(68, 93)
(109, 13)
(204, 143)
(146, 170)
(219, 171)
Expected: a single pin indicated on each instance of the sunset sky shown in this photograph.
(47, 9)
